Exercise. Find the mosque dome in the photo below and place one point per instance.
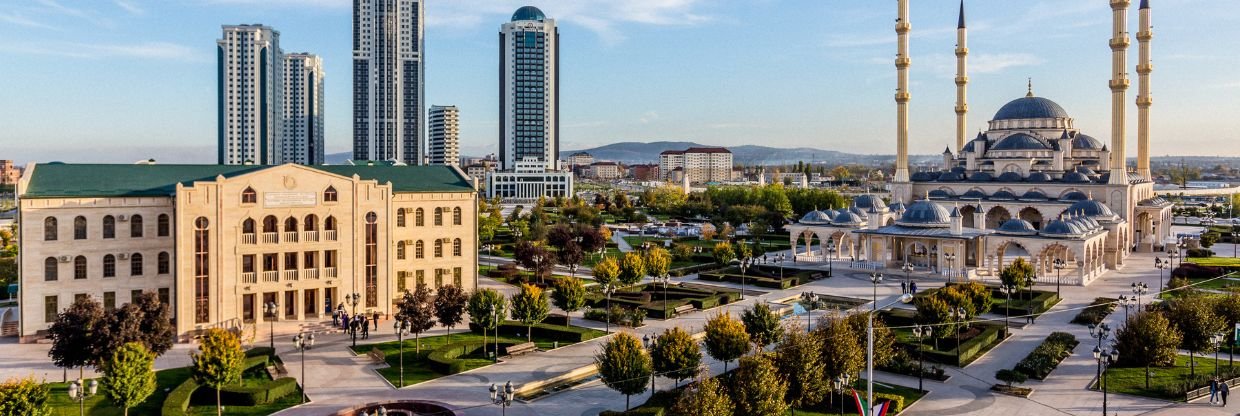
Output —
(1021, 141)
(1058, 228)
(939, 194)
(1091, 208)
(848, 219)
(870, 201)
(1003, 195)
(815, 217)
(1039, 177)
(1075, 177)
(1074, 196)
(528, 13)
(925, 213)
(951, 177)
(1033, 195)
(923, 177)
(1086, 142)
(1010, 177)
(973, 194)
(1030, 107)
(980, 177)
(1017, 226)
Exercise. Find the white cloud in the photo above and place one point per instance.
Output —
(58, 8)
(648, 117)
(147, 50)
(603, 17)
(130, 7)
(944, 65)
(21, 20)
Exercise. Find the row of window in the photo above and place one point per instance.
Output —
(418, 248)
(51, 227)
(51, 266)
(419, 216)
(51, 304)
(271, 224)
(271, 261)
(403, 284)
(250, 196)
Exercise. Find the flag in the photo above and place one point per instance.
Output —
(864, 408)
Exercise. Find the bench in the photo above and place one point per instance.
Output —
(817, 276)
(522, 348)
(686, 308)
(277, 370)
(378, 356)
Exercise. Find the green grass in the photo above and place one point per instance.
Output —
(1214, 261)
(593, 258)
(416, 368)
(1131, 380)
(910, 395)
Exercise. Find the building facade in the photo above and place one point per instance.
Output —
(529, 90)
(388, 80)
(580, 159)
(218, 242)
(606, 170)
(528, 182)
(9, 173)
(444, 135)
(699, 164)
(303, 109)
(249, 94)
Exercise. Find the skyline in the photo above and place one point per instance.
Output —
(149, 88)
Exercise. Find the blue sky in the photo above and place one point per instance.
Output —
(118, 80)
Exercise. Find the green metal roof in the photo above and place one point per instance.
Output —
(56, 180)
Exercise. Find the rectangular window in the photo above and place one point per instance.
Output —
(51, 308)
(290, 261)
(164, 297)
(310, 302)
(247, 263)
(372, 265)
(134, 294)
(421, 277)
(109, 301)
(329, 258)
(439, 277)
(270, 262)
(456, 276)
(401, 285)
(247, 307)
(310, 259)
(290, 304)
(79, 297)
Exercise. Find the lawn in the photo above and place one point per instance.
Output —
(1165, 383)
(1214, 261)
(976, 340)
(416, 368)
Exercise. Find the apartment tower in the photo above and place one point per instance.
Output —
(388, 80)
(249, 94)
(303, 109)
(529, 84)
(444, 135)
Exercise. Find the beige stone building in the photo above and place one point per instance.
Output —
(699, 164)
(219, 242)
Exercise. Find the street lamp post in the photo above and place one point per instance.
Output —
(1126, 302)
(869, 349)
(1105, 360)
(920, 332)
(809, 300)
(502, 397)
(647, 342)
(876, 278)
(1059, 266)
(780, 259)
(665, 279)
(1101, 333)
(951, 265)
(608, 289)
(1160, 265)
(79, 390)
(959, 314)
(1138, 289)
(743, 264)
(830, 260)
(908, 270)
(401, 327)
(1217, 339)
(839, 384)
(272, 309)
(303, 342)
(353, 299)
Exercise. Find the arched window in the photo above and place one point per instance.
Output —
(456, 247)
(135, 264)
(49, 229)
(419, 217)
(456, 216)
(247, 226)
(400, 217)
(438, 216)
(163, 263)
(419, 250)
(79, 267)
(162, 227)
(438, 248)
(269, 224)
(329, 195)
(79, 228)
(290, 224)
(202, 269)
(400, 250)
(311, 223)
(109, 265)
(135, 226)
(109, 226)
(51, 270)
(329, 224)
(248, 196)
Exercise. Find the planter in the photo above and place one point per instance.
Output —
(1011, 390)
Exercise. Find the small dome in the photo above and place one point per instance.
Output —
(925, 213)
(1085, 142)
(1021, 141)
(1058, 228)
(1033, 195)
(1003, 196)
(1030, 107)
(1017, 226)
(973, 194)
(870, 201)
(1086, 170)
(923, 177)
(951, 177)
(980, 177)
(1075, 177)
(1074, 196)
(939, 194)
(1010, 177)
(959, 169)
(848, 219)
(815, 217)
(1091, 208)
(528, 13)
(1039, 177)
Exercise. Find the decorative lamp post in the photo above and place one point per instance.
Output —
(908, 270)
(780, 259)
(1105, 360)
(608, 289)
(502, 396)
(809, 300)
(921, 331)
(1059, 266)
(951, 264)
(1101, 333)
(402, 327)
(876, 278)
(537, 266)
(743, 264)
(1126, 302)
(271, 309)
(303, 342)
(830, 259)
(648, 342)
(353, 299)
(1217, 340)
(1160, 265)
(869, 349)
(79, 390)
(1138, 289)
(959, 314)
(839, 384)
(665, 279)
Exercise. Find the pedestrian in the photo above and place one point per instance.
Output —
(365, 328)
(1213, 390)
(903, 287)
(1226, 390)
(376, 320)
(912, 288)
(327, 307)
(1029, 313)
(335, 318)
(344, 320)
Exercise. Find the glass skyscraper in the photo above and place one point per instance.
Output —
(388, 80)
(529, 61)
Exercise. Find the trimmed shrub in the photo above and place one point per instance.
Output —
(1046, 356)
(178, 400)
(1196, 271)
(259, 351)
(249, 395)
(541, 330)
(897, 401)
(1200, 252)
(444, 359)
(1095, 312)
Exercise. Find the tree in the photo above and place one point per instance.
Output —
(708, 231)
(486, 309)
(759, 389)
(604, 233)
(664, 199)
(1147, 339)
(839, 358)
(657, 261)
(521, 228)
(726, 339)
(1016, 275)
(1228, 308)
(934, 311)
(682, 252)
(632, 269)
(762, 325)
(723, 253)
(76, 340)
(450, 306)
(218, 362)
(488, 226)
(145, 320)
(129, 376)
(569, 296)
(1208, 239)
(799, 358)
(743, 251)
(1010, 376)
(840, 173)
(1194, 316)
(417, 309)
(727, 230)
(606, 271)
(571, 255)
(705, 397)
(530, 306)
(535, 257)
(624, 365)
(676, 355)
(24, 396)
(884, 338)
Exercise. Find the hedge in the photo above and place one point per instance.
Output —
(541, 330)
(1043, 359)
(968, 349)
(444, 359)
(250, 395)
(177, 402)
(684, 271)
(758, 281)
(259, 351)
(1042, 301)
(1095, 312)
(897, 401)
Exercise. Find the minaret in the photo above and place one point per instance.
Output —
(902, 94)
(1144, 100)
(1119, 90)
(962, 79)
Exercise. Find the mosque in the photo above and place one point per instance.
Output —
(1031, 181)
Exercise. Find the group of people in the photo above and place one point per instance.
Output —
(908, 287)
(356, 323)
(1218, 391)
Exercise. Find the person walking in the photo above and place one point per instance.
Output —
(376, 320)
(344, 320)
(903, 287)
(365, 328)
(1213, 390)
(335, 318)
(1225, 390)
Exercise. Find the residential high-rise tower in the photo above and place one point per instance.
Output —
(388, 80)
(249, 94)
(303, 109)
(529, 85)
(444, 133)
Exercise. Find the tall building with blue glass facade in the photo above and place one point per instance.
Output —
(250, 95)
(388, 80)
(529, 84)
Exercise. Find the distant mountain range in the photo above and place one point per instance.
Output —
(637, 152)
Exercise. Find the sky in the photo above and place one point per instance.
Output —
(122, 80)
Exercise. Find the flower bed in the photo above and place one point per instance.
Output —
(1043, 359)
(1095, 312)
